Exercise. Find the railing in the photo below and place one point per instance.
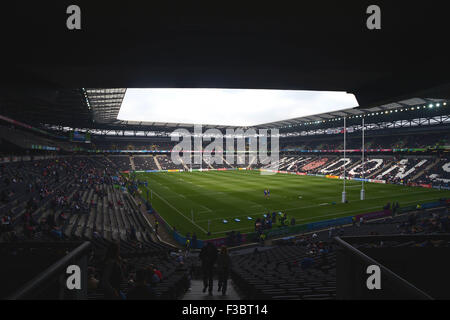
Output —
(51, 280)
(396, 237)
(351, 270)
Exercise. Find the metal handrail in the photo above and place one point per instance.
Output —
(398, 237)
(50, 272)
(40, 244)
(416, 293)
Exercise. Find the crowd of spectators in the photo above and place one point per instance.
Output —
(41, 199)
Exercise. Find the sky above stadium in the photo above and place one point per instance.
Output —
(234, 107)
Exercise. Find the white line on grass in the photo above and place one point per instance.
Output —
(305, 207)
(165, 201)
(326, 215)
(353, 186)
(207, 209)
(259, 213)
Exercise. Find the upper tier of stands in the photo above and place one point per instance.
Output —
(327, 142)
(333, 142)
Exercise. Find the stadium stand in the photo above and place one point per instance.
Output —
(53, 201)
(166, 163)
(304, 267)
(86, 185)
(145, 163)
(287, 272)
(81, 198)
(438, 174)
(121, 162)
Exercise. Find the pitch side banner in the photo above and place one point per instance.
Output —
(377, 181)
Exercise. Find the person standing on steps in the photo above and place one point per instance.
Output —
(208, 256)
(156, 226)
(187, 247)
(223, 268)
(112, 273)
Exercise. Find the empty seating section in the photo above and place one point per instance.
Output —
(304, 266)
(166, 163)
(403, 169)
(394, 169)
(144, 163)
(388, 141)
(438, 174)
(102, 144)
(26, 139)
(122, 163)
(287, 272)
(399, 169)
(373, 140)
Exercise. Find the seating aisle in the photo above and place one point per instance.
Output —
(196, 292)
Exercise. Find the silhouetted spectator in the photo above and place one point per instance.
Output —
(141, 291)
(112, 274)
(223, 269)
(208, 256)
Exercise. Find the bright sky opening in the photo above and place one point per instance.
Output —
(233, 107)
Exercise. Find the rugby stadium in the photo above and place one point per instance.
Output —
(313, 163)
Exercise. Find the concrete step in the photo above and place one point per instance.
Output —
(196, 292)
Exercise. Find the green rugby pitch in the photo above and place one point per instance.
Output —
(219, 195)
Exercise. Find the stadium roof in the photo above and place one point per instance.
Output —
(325, 46)
(76, 108)
(98, 109)
(142, 125)
(322, 45)
(37, 106)
(350, 112)
(105, 103)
